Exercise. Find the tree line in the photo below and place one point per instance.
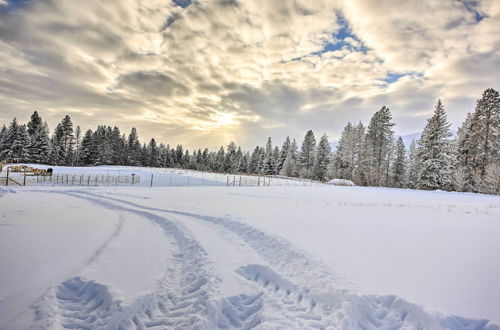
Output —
(368, 155)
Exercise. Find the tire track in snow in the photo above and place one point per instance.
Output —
(186, 298)
(339, 308)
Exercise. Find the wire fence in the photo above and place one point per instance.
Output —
(137, 176)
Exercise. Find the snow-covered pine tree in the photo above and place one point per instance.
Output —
(230, 162)
(378, 142)
(413, 166)
(153, 155)
(14, 143)
(86, 148)
(398, 173)
(434, 153)
(133, 148)
(289, 166)
(276, 160)
(34, 128)
(3, 137)
(484, 139)
(220, 165)
(268, 164)
(464, 172)
(323, 156)
(78, 145)
(39, 143)
(253, 166)
(67, 141)
(283, 153)
(307, 156)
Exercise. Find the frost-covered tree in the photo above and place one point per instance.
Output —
(39, 142)
(153, 154)
(86, 148)
(323, 154)
(378, 145)
(398, 173)
(133, 148)
(283, 153)
(269, 163)
(412, 166)
(485, 130)
(231, 159)
(434, 153)
(15, 143)
(307, 155)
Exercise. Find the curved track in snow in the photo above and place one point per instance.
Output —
(285, 288)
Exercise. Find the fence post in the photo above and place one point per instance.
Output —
(24, 180)
(151, 180)
(240, 181)
(258, 181)
(7, 180)
(227, 184)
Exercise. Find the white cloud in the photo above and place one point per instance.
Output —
(175, 72)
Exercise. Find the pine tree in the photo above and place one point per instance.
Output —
(86, 149)
(253, 166)
(78, 145)
(153, 154)
(378, 142)
(434, 153)
(230, 162)
(220, 164)
(307, 156)
(133, 148)
(39, 142)
(464, 173)
(268, 164)
(413, 167)
(344, 155)
(322, 158)
(283, 154)
(3, 142)
(15, 143)
(398, 173)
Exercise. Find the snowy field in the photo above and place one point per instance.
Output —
(155, 176)
(241, 257)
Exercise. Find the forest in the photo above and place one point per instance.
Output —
(369, 155)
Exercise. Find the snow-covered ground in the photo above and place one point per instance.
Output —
(155, 176)
(237, 257)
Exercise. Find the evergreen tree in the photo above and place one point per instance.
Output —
(78, 146)
(253, 166)
(220, 164)
(153, 155)
(283, 154)
(308, 155)
(268, 164)
(322, 158)
(398, 174)
(434, 153)
(378, 143)
(15, 143)
(133, 148)
(231, 162)
(86, 149)
(413, 168)
(39, 143)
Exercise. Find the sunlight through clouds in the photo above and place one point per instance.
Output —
(244, 69)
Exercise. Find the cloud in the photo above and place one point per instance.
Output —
(275, 68)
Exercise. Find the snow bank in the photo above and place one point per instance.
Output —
(341, 182)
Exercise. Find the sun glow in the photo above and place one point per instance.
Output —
(224, 118)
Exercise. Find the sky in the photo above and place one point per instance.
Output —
(203, 73)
